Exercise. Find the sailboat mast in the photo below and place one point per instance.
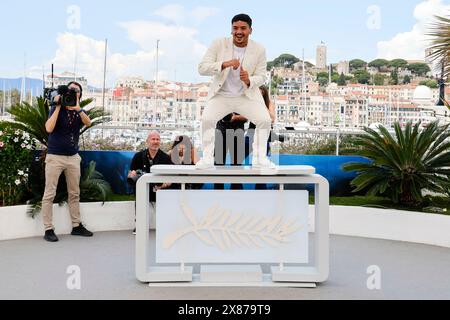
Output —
(23, 84)
(104, 82)
(75, 64)
(4, 98)
(104, 74)
(304, 86)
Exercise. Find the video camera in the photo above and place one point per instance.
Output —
(68, 97)
(132, 181)
(50, 94)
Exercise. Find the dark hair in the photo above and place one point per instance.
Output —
(265, 94)
(244, 18)
(180, 139)
(79, 85)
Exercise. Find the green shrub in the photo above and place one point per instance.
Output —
(16, 153)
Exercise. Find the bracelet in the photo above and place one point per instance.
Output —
(81, 111)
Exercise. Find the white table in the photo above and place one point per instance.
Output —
(181, 275)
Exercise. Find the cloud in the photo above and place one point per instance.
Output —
(175, 40)
(86, 56)
(180, 50)
(179, 15)
(202, 13)
(411, 45)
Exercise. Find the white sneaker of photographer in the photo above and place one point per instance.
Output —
(205, 164)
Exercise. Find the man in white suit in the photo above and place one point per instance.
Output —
(238, 67)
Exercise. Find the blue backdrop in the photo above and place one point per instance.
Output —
(114, 165)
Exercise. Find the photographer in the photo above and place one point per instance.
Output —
(144, 160)
(183, 152)
(66, 118)
(230, 138)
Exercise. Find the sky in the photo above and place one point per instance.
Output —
(71, 34)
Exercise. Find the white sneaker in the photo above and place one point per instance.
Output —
(204, 164)
(263, 163)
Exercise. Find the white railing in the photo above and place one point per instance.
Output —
(136, 134)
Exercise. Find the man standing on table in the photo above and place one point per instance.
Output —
(238, 67)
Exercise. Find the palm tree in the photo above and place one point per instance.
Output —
(32, 118)
(440, 43)
(405, 165)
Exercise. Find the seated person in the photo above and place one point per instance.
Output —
(183, 152)
(145, 159)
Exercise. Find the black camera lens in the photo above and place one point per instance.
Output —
(69, 99)
(133, 180)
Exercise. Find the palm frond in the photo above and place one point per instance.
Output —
(93, 186)
(440, 43)
(403, 165)
(31, 119)
(98, 116)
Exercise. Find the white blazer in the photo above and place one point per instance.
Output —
(254, 62)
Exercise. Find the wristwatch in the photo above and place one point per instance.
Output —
(82, 110)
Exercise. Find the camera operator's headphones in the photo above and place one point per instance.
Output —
(79, 85)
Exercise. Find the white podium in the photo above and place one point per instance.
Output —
(222, 274)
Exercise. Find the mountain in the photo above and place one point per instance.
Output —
(30, 84)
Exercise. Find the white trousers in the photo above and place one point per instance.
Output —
(219, 107)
